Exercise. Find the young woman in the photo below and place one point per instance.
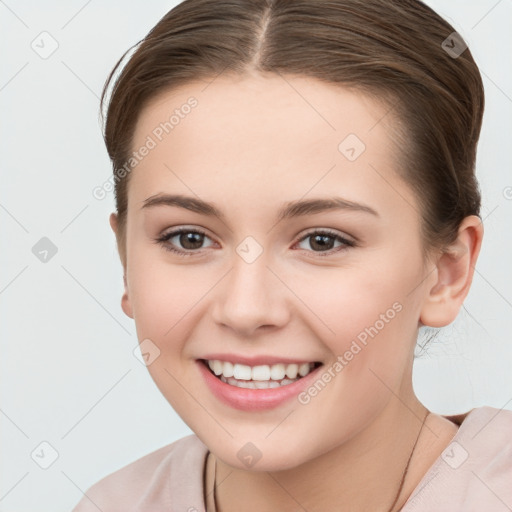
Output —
(296, 196)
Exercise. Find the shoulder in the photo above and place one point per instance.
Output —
(159, 480)
(474, 472)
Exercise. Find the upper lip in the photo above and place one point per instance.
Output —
(257, 360)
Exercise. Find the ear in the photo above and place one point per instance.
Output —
(453, 276)
(125, 300)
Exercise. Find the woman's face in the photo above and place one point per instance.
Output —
(341, 286)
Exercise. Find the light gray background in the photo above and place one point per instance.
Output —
(68, 373)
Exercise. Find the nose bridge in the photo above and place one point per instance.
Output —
(251, 295)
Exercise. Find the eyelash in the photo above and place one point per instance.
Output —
(163, 241)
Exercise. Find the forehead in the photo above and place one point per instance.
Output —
(301, 111)
(271, 134)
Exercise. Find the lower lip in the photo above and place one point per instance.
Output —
(254, 399)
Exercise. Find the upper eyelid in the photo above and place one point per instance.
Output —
(327, 231)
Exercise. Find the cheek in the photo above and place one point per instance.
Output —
(367, 322)
(166, 301)
(352, 303)
(162, 294)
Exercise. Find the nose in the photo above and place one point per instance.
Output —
(252, 298)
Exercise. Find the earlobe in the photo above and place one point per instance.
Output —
(125, 300)
(126, 305)
(113, 222)
(455, 269)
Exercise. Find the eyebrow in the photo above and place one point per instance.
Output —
(289, 210)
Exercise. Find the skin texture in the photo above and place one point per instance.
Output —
(250, 145)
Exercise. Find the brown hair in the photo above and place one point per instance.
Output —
(390, 49)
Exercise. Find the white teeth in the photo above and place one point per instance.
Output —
(242, 372)
(255, 384)
(304, 369)
(216, 366)
(269, 375)
(261, 372)
(277, 371)
(227, 369)
(292, 370)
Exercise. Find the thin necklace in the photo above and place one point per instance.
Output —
(397, 494)
(408, 461)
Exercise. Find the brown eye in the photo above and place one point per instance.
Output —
(324, 242)
(190, 239)
(183, 241)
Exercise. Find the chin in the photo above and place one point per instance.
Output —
(262, 456)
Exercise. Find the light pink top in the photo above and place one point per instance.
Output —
(474, 473)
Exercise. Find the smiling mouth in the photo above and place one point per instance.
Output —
(260, 376)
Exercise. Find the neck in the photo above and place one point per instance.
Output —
(364, 473)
